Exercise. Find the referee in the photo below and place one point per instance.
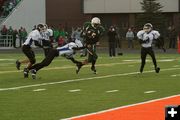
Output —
(146, 37)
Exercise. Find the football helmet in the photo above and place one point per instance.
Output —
(41, 27)
(78, 43)
(148, 27)
(95, 21)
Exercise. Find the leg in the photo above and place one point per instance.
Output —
(92, 57)
(47, 60)
(151, 53)
(143, 59)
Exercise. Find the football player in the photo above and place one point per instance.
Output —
(66, 51)
(34, 38)
(92, 31)
(47, 39)
(146, 38)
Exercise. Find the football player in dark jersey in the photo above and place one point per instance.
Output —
(92, 31)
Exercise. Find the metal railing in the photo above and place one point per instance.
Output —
(6, 41)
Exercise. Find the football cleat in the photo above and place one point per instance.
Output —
(33, 73)
(93, 69)
(26, 72)
(78, 67)
(18, 64)
(157, 70)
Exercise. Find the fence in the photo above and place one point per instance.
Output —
(6, 41)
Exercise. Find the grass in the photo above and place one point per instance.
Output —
(56, 101)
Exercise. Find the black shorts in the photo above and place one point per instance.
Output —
(29, 53)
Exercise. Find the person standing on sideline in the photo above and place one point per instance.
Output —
(112, 41)
(35, 38)
(130, 37)
(146, 37)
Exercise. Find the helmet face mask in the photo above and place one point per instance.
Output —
(147, 27)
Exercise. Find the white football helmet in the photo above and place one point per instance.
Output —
(95, 21)
(147, 27)
(78, 43)
(41, 27)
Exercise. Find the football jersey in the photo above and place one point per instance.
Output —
(67, 50)
(33, 36)
(88, 30)
(142, 35)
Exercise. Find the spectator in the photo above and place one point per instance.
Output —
(15, 35)
(4, 31)
(130, 37)
(172, 37)
(10, 31)
(77, 35)
(112, 41)
(61, 41)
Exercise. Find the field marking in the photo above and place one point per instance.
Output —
(148, 92)
(83, 79)
(175, 75)
(176, 66)
(7, 59)
(111, 91)
(122, 107)
(76, 90)
(68, 67)
(37, 90)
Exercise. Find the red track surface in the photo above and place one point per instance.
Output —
(153, 110)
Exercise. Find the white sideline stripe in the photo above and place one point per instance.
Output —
(110, 91)
(148, 92)
(126, 106)
(37, 90)
(81, 79)
(76, 90)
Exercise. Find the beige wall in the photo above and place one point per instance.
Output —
(125, 6)
(27, 14)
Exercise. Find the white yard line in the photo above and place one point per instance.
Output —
(82, 79)
(37, 90)
(122, 107)
(175, 75)
(148, 92)
(76, 90)
(111, 91)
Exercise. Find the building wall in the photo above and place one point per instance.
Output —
(65, 13)
(27, 14)
(125, 6)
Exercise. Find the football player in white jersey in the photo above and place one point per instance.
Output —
(47, 39)
(146, 37)
(66, 51)
(34, 38)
